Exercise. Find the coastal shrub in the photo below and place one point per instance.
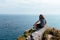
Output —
(55, 33)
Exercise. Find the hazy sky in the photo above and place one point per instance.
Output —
(34, 7)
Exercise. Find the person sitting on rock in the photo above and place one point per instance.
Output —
(41, 24)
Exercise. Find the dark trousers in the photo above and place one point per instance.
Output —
(39, 26)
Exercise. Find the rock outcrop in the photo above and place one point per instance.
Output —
(37, 35)
(46, 33)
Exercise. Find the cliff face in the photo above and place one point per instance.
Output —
(45, 33)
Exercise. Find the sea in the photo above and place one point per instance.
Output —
(13, 26)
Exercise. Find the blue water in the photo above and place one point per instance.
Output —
(12, 26)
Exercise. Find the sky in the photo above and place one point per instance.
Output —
(27, 7)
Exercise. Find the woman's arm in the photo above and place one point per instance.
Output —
(36, 23)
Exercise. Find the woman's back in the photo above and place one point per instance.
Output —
(42, 22)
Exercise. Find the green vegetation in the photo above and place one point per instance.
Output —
(55, 33)
(25, 34)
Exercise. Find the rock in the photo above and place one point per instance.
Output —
(39, 33)
(46, 33)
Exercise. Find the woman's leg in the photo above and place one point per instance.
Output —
(39, 26)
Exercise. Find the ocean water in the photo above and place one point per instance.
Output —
(12, 26)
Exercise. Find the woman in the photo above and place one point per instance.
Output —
(40, 25)
(42, 22)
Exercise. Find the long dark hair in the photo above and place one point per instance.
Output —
(41, 17)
